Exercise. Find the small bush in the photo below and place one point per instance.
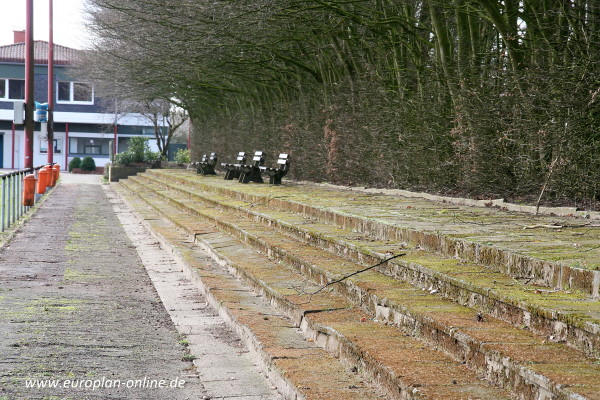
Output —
(124, 158)
(138, 147)
(151, 156)
(182, 156)
(138, 152)
(74, 163)
(88, 164)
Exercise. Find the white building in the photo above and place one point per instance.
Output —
(83, 123)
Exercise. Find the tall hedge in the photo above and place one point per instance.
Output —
(488, 98)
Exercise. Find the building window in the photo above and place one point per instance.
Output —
(86, 146)
(64, 91)
(75, 92)
(12, 89)
(57, 146)
(92, 149)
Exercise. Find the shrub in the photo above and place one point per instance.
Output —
(182, 156)
(138, 151)
(124, 158)
(138, 147)
(74, 163)
(88, 164)
(151, 156)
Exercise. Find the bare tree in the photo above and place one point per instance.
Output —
(165, 117)
(471, 96)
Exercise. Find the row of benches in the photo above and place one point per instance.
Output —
(245, 172)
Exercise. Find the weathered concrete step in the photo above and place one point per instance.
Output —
(513, 243)
(454, 328)
(299, 368)
(225, 366)
(338, 328)
(559, 315)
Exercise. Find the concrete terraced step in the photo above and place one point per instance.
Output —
(560, 315)
(454, 328)
(406, 368)
(299, 368)
(522, 245)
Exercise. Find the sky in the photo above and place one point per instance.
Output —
(69, 16)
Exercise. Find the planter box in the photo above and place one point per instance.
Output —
(98, 171)
(173, 165)
(121, 172)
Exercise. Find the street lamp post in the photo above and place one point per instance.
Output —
(29, 82)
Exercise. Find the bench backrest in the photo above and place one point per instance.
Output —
(283, 161)
(241, 158)
(259, 158)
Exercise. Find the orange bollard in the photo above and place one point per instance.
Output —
(57, 169)
(50, 177)
(42, 181)
(53, 174)
(29, 190)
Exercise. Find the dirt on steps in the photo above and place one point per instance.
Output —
(559, 315)
(299, 367)
(551, 251)
(184, 202)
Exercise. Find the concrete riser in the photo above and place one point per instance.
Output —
(269, 364)
(493, 366)
(549, 274)
(539, 321)
(321, 335)
(285, 387)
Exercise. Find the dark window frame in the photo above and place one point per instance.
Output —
(8, 90)
(72, 90)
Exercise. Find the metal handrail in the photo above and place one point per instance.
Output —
(12, 208)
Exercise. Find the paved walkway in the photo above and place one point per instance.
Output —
(79, 312)
(66, 178)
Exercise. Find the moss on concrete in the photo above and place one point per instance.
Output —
(375, 292)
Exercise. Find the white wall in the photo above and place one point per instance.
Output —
(7, 149)
(38, 157)
(41, 158)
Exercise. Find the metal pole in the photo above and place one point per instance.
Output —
(51, 84)
(9, 203)
(3, 202)
(12, 198)
(14, 189)
(13, 147)
(18, 197)
(66, 145)
(21, 206)
(15, 198)
(29, 88)
(20, 191)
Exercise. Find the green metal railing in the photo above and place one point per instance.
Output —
(12, 208)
